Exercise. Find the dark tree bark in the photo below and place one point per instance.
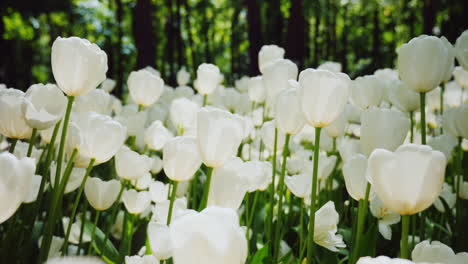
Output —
(296, 39)
(143, 33)
(180, 43)
(255, 34)
(205, 31)
(344, 39)
(119, 13)
(316, 34)
(170, 43)
(190, 46)
(429, 16)
(376, 42)
(274, 26)
(235, 40)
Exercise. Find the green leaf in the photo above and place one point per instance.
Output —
(107, 250)
(260, 256)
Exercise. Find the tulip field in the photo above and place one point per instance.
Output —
(294, 165)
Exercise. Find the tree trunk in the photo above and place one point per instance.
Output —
(316, 34)
(376, 34)
(143, 33)
(274, 27)
(344, 39)
(296, 39)
(235, 40)
(190, 46)
(119, 13)
(255, 34)
(429, 16)
(170, 44)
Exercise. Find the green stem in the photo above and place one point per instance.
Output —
(31, 142)
(55, 205)
(140, 107)
(63, 139)
(442, 90)
(96, 219)
(84, 209)
(77, 201)
(277, 237)
(458, 181)
(13, 145)
(310, 242)
(206, 191)
(272, 189)
(422, 97)
(171, 203)
(404, 236)
(301, 231)
(412, 126)
(252, 210)
(205, 97)
(362, 212)
(113, 216)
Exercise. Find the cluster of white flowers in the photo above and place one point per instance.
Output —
(188, 166)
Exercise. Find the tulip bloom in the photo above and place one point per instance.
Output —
(101, 194)
(145, 88)
(78, 65)
(12, 121)
(212, 236)
(461, 49)
(269, 54)
(15, 182)
(219, 134)
(367, 91)
(289, 117)
(44, 105)
(208, 78)
(181, 158)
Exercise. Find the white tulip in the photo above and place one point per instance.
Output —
(383, 260)
(367, 91)
(403, 97)
(161, 210)
(337, 128)
(432, 252)
(219, 134)
(101, 194)
(181, 158)
(385, 216)
(257, 91)
(269, 54)
(156, 135)
(461, 77)
(108, 85)
(74, 180)
(212, 236)
(208, 78)
(461, 49)
(418, 166)
(130, 165)
(330, 66)
(183, 114)
(159, 191)
(267, 133)
(136, 202)
(323, 95)
(422, 63)
(449, 197)
(383, 128)
(74, 237)
(12, 121)
(97, 101)
(183, 77)
(288, 112)
(159, 240)
(132, 119)
(44, 105)
(147, 259)
(144, 87)
(78, 65)
(354, 172)
(15, 182)
(276, 78)
(326, 226)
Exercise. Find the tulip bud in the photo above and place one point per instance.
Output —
(136, 202)
(402, 97)
(145, 88)
(354, 172)
(418, 166)
(212, 236)
(44, 105)
(257, 91)
(323, 95)
(130, 165)
(432, 252)
(183, 77)
(12, 121)
(422, 63)
(276, 78)
(156, 135)
(181, 158)
(336, 128)
(97, 101)
(330, 66)
(15, 181)
(215, 126)
(78, 65)
(367, 91)
(269, 54)
(108, 85)
(383, 128)
(208, 78)
(461, 49)
(461, 77)
(288, 112)
(268, 136)
(101, 194)
(183, 114)
(100, 136)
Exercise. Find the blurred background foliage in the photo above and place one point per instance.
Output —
(169, 34)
